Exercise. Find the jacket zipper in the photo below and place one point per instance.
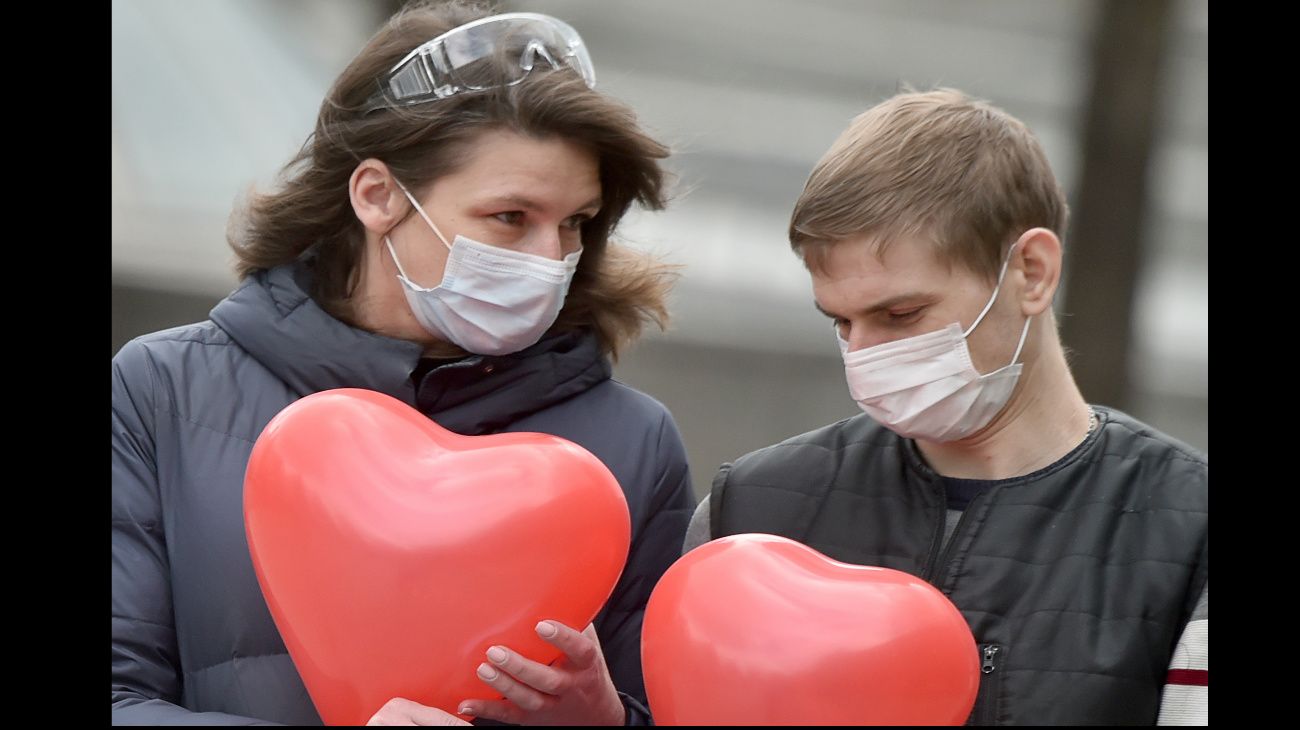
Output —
(985, 711)
(989, 653)
(939, 562)
(927, 571)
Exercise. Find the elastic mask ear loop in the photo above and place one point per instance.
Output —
(994, 298)
(989, 305)
(393, 253)
(423, 215)
(419, 210)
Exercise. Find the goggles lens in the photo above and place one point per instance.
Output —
(487, 53)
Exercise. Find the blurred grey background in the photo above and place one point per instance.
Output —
(211, 98)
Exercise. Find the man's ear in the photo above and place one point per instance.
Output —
(377, 201)
(1039, 258)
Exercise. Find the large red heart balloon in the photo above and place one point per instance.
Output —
(762, 630)
(392, 553)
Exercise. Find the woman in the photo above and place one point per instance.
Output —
(443, 237)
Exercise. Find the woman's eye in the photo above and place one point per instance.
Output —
(510, 218)
(575, 222)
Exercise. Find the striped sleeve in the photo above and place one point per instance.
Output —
(1186, 699)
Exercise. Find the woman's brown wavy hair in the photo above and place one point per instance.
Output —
(615, 291)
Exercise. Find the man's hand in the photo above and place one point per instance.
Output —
(576, 690)
(398, 711)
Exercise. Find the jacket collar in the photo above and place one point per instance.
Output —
(272, 317)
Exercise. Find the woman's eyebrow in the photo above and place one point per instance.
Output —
(521, 201)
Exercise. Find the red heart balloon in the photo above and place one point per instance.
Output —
(392, 553)
(762, 630)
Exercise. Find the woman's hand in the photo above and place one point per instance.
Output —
(576, 690)
(398, 711)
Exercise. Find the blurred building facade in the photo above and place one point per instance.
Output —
(212, 98)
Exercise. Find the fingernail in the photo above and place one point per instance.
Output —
(467, 710)
(546, 629)
(497, 654)
(487, 672)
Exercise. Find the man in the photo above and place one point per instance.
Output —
(1073, 538)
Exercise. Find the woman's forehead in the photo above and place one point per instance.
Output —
(552, 170)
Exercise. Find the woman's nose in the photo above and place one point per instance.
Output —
(551, 243)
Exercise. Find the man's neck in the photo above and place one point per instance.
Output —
(1046, 419)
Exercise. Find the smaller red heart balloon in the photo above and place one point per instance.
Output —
(762, 630)
(392, 553)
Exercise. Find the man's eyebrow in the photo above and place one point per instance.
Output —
(886, 304)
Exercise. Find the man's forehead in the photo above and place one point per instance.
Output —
(869, 255)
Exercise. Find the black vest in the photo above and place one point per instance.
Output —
(1076, 580)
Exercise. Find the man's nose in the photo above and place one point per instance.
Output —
(861, 338)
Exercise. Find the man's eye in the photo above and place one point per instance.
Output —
(511, 218)
(902, 317)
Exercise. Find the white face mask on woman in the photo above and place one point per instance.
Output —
(492, 301)
(926, 386)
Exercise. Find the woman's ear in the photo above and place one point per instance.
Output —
(377, 201)
(1039, 258)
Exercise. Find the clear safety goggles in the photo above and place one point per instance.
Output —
(496, 51)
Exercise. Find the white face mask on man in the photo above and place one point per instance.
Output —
(492, 301)
(926, 387)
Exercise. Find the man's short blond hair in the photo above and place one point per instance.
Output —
(936, 166)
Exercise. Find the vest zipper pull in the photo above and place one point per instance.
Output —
(989, 652)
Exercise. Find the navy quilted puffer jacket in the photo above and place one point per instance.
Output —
(193, 641)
